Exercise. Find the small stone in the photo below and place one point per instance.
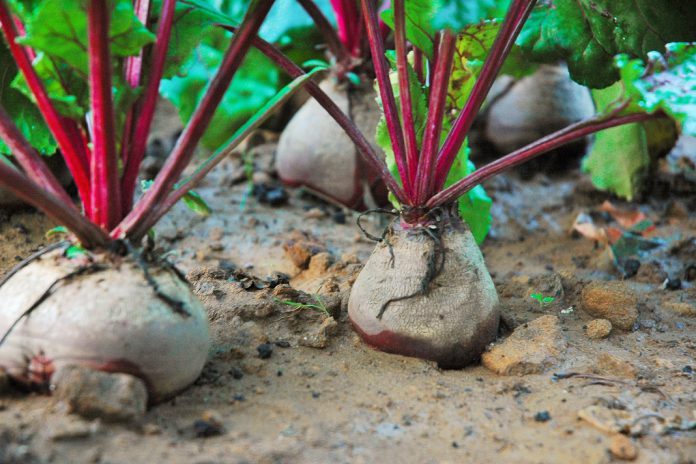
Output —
(673, 283)
(621, 447)
(209, 425)
(90, 393)
(608, 364)
(598, 328)
(216, 234)
(64, 428)
(680, 308)
(319, 263)
(314, 213)
(320, 338)
(265, 350)
(151, 429)
(531, 349)
(612, 300)
(542, 416)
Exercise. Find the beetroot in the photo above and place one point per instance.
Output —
(106, 315)
(426, 292)
(316, 153)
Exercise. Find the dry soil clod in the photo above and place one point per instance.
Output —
(613, 300)
(531, 349)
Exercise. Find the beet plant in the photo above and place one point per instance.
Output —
(100, 299)
(324, 159)
(425, 291)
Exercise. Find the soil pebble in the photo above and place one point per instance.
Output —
(300, 248)
(209, 425)
(609, 364)
(531, 349)
(612, 300)
(598, 328)
(320, 338)
(265, 350)
(680, 308)
(621, 447)
(90, 393)
(63, 428)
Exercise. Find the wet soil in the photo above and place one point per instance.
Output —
(288, 385)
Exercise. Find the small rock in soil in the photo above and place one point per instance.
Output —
(598, 328)
(90, 393)
(236, 373)
(680, 308)
(320, 338)
(300, 248)
(265, 350)
(63, 428)
(673, 283)
(209, 425)
(542, 416)
(612, 300)
(531, 349)
(273, 196)
(608, 364)
(621, 447)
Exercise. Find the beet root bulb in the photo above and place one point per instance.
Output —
(398, 307)
(104, 315)
(315, 152)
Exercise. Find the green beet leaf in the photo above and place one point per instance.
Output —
(619, 158)
(21, 109)
(195, 61)
(59, 28)
(456, 15)
(255, 83)
(666, 82)
(587, 34)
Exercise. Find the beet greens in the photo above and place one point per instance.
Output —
(96, 88)
(433, 85)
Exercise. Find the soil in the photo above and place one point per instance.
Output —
(287, 385)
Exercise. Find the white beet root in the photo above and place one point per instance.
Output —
(314, 152)
(534, 106)
(452, 322)
(110, 320)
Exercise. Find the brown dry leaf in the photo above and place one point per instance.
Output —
(586, 227)
(626, 219)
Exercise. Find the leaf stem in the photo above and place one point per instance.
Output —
(363, 146)
(24, 188)
(75, 157)
(29, 159)
(242, 133)
(104, 178)
(147, 106)
(512, 25)
(333, 41)
(550, 142)
(391, 113)
(402, 67)
(348, 23)
(425, 178)
(132, 226)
